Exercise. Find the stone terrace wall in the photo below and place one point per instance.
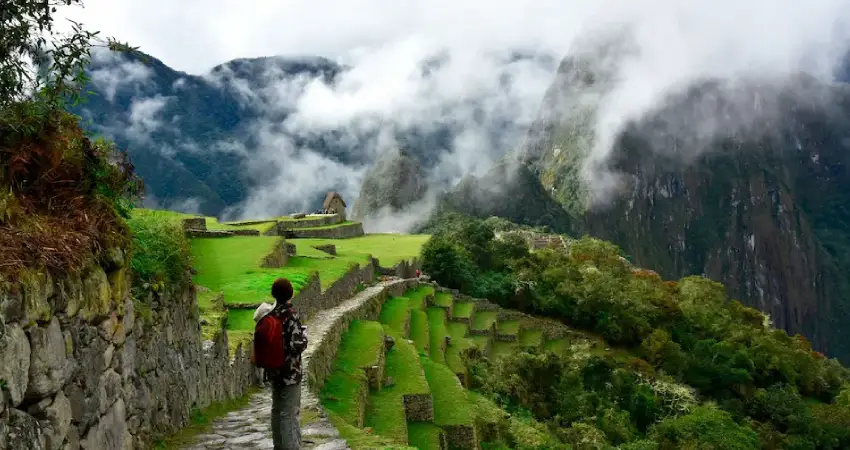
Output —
(311, 298)
(283, 225)
(278, 256)
(404, 269)
(84, 366)
(338, 232)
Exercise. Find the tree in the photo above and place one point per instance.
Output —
(37, 61)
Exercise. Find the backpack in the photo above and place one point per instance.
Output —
(269, 342)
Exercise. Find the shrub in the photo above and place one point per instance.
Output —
(160, 251)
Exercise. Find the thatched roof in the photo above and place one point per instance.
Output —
(330, 197)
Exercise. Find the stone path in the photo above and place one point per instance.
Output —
(250, 428)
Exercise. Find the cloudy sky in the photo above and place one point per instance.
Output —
(385, 41)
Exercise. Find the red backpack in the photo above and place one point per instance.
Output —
(269, 343)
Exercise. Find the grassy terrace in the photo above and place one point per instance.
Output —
(483, 320)
(438, 331)
(530, 337)
(451, 406)
(395, 313)
(419, 332)
(385, 414)
(443, 299)
(508, 327)
(463, 310)
(344, 388)
(423, 435)
(389, 249)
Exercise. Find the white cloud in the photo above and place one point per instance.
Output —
(672, 43)
(144, 117)
(121, 72)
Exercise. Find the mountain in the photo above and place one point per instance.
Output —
(211, 142)
(395, 182)
(757, 199)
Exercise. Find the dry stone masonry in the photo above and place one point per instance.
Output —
(83, 366)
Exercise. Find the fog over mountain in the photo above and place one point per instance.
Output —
(457, 84)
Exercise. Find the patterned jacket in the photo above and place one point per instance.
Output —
(295, 342)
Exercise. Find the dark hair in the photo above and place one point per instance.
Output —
(282, 290)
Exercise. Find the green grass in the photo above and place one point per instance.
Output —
(360, 347)
(160, 251)
(307, 250)
(419, 329)
(424, 436)
(385, 413)
(389, 249)
(530, 337)
(483, 320)
(485, 409)
(508, 327)
(557, 346)
(214, 224)
(456, 330)
(358, 439)
(462, 310)
(502, 348)
(327, 227)
(240, 319)
(202, 420)
(437, 329)
(443, 299)
(481, 341)
(232, 265)
(417, 296)
(395, 312)
(460, 343)
(451, 405)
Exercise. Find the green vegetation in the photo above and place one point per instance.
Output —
(214, 224)
(424, 436)
(241, 318)
(389, 249)
(395, 313)
(463, 310)
(437, 329)
(443, 299)
(161, 252)
(451, 406)
(419, 332)
(344, 388)
(661, 364)
(385, 413)
(417, 296)
(483, 320)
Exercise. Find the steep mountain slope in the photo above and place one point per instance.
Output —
(395, 182)
(214, 140)
(759, 202)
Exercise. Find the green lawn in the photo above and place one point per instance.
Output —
(232, 265)
(240, 319)
(456, 330)
(395, 312)
(451, 405)
(360, 347)
(417, 296)
(453, 354)
(508, 327)
(481, 341)
(502, 348)
(530, 337)
(483, 320)
(385, 414)
(306, 249)
(424, 436)
(462, 309)
(214, 224)
(389, 249)
(557, 346)
(443, 299)
(437, 328)
(419, 329)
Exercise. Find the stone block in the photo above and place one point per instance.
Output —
(461, 437)
(195, 223)
(418, 407)
(14, 361)
(49, 366)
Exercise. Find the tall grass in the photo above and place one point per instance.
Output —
(160, 251)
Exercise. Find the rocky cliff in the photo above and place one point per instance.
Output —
(758, 202)
(395, 182)
(83, 365)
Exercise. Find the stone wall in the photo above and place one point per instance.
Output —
(195, 223)
(311, 298)
(344, 231)
(278, 256)
(84, 366)
(461, 436)
(327, 248)
(280, 228)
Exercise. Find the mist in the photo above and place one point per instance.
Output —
(470, 86)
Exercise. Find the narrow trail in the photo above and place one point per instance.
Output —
(249, 428)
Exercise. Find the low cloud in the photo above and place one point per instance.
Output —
(116, 72)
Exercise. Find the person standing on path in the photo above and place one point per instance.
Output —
(279, 340)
